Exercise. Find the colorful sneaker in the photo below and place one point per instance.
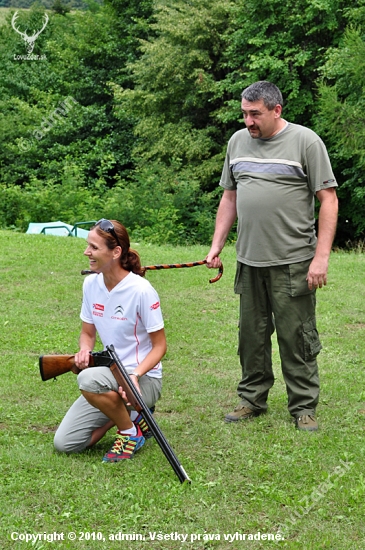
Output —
(142, 424)
(124, 446)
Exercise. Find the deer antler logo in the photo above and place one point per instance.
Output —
(29, 40)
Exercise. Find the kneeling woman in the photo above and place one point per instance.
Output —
(124, 309)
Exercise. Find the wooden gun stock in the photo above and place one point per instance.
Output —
(51, 366)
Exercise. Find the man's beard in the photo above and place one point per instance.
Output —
(258, 133)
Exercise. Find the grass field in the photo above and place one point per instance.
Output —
(259, 476)
(4, 13)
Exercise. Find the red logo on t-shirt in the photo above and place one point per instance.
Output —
(100, 307)
(155, 306)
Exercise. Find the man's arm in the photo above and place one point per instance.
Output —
(226, 216)
(327, 221)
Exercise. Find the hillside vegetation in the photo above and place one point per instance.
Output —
(124, 109)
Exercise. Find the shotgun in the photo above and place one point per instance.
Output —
(51, 366)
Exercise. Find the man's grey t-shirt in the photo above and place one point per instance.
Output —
(276, 181)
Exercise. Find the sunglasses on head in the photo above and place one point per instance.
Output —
(108, 227)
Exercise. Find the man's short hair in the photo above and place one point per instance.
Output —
(268, 92)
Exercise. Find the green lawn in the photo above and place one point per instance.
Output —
(4, 14)
(246, 478)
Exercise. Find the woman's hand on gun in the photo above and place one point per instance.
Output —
(82, 358)
(123, 394)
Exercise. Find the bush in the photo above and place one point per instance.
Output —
(159, 207)
(340, 122)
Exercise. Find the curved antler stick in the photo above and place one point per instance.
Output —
(189, 264)
(171, 266)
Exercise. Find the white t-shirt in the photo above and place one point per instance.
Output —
(124, 316)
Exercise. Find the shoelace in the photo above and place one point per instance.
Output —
(305, 419)
(143, 425)
(118, 443)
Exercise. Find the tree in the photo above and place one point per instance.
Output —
(84, 52)
(341, 121)
(283, 42)
(153, 90)
(80, 54)
(173, 96)
(59, 7)
(188, 81)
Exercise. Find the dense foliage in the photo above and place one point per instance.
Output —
(128, 108)
(341, 121)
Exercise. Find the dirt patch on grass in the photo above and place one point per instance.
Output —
(355, 325)
(43, 429)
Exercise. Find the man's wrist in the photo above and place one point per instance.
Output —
(138, 376)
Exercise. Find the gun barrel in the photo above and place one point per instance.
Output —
(151, 422)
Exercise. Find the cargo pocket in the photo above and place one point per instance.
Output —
(298, 284)
(238, 280)
(311, 343)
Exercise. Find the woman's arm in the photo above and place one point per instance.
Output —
(87, 343)
(159, 347)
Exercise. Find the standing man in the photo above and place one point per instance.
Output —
(273, 171)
